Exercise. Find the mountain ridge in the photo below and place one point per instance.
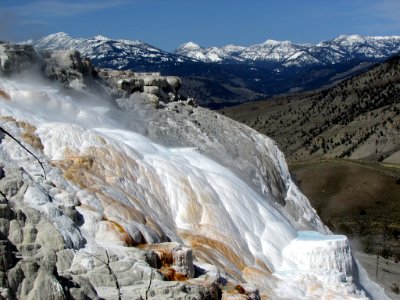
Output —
(325, 52)
(343, 47)
(239, 74)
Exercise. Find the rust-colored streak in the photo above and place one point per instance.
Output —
(122, 210)
(170, 274)
(28, 134)
(197, 241)
(4, 95)
(263, 266)
(120, 232)
(240, 289)
(164, 253)
(165, 257)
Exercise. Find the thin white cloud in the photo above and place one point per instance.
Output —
(45, 8)
(380, 17)
(388, 9)
(388, 13)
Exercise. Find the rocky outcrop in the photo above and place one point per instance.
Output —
(174, 261)
(17, 58)
(77, 73)
(151, 87)
(70, 69)
(29, 243)
(40, 262)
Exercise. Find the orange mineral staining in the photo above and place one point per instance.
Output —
(4, 95)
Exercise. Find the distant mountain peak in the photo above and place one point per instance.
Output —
(110, 53)
(101, 38)
(59, 34)
(270, 42)
(352, 38)
(190, 46)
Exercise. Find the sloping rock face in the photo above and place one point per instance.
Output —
(203, 210)
(253, 157)
(45, 254)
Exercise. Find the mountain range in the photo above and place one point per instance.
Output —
(121, 54)
(286, 54)
(218, 77)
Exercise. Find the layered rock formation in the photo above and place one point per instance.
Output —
(151, 86)
(145, 201)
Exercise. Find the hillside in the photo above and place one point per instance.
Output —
(112, 187)
(357, 119)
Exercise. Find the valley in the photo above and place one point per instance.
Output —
(358, 118)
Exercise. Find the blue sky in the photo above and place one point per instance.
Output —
(167, 24)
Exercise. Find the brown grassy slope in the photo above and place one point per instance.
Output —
(359, 118)
(359, 199)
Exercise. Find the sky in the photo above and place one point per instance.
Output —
(167, 24)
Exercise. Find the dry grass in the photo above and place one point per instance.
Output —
(359, 199)
(358, 118)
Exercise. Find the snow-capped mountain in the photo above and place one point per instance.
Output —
(110, 53)
(122, 54)
(220, 76)
(213, 54)
(339, 50)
